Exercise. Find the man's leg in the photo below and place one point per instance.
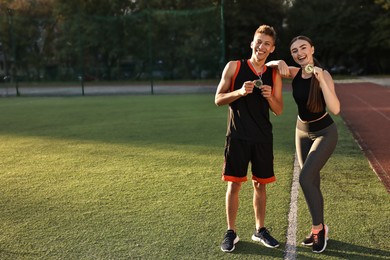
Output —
(259, 203)
(261, 234)
(231, 238)
(232, 201)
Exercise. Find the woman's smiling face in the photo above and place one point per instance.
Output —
(302, 52)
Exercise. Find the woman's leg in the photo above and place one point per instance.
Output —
(323, 144)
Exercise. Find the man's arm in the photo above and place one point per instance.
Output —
(223, 96)
(284, 70)
(275, 96)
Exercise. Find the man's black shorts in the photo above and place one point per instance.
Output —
(238, 154)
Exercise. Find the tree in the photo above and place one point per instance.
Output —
(380, 37)
(29, 30)
(60, 39)
(244, 17)
(109, 33)
(341, 34)
(87, 36)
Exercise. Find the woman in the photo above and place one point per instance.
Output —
(316, 133)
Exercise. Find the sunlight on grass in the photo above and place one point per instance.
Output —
(139, 177)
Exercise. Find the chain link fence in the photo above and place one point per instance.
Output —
(88, 50)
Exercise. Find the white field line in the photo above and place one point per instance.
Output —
(291, 243)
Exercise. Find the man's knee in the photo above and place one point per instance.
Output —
(234, 187)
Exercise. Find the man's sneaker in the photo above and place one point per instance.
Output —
(308, 241)
(319, 240)
(262, 235)
(229, 241)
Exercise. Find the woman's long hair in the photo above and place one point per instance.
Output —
(315, 101)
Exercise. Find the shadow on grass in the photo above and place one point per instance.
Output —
(256, 249)
(343, 250)
(335, 249)
(141, 120)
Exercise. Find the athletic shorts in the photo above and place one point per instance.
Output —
(238, 155)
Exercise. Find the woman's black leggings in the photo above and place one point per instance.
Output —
(313, 150)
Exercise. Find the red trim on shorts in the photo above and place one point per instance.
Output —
(234, 179)
(235, 76)
(264, 180)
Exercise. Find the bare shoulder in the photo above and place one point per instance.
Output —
(327, 75)
(293, 71)
(232, 65)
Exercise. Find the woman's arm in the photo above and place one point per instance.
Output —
(328, 90)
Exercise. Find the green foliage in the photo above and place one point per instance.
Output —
(180, 39)
(242, 20)
(345, 34)
(113, 40)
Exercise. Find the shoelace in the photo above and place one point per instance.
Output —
(267, 235)
(267, 231)
(228, 237)
(315, 238)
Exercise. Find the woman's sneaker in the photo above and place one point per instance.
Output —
(262, 235)
(308, 241)
(319, 240)
(229, 241)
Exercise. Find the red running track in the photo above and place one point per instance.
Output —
(365, 108)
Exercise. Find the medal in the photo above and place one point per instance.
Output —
(309, 68)
(258, 83)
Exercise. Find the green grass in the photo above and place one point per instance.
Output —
(139, 177)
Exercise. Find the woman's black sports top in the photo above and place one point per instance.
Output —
(301, 88)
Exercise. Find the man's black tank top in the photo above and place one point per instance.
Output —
(248, 117)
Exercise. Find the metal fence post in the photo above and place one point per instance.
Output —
(81, 54)
(223, 51)
(14, 71)
(150, 49)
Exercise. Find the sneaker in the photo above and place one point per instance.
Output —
(229, 241)
(308, 241)
(319, 240)
(262, 235)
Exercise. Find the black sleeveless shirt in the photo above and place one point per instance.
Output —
(248, 116)
(301, 88)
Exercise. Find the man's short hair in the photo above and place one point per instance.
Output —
(267, 30)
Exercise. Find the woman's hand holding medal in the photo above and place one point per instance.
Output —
(317, 71)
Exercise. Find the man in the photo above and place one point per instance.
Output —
(251, 89)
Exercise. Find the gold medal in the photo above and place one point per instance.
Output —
(309, 68)
(258, 83)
